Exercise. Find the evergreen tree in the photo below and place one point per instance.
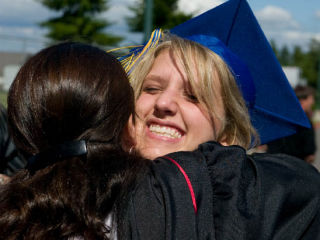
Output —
(275, 48)
(297, 56)
(285, 56)
(165, 15)
(311, 63)
(77, 21)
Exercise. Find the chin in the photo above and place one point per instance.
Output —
(155, 153)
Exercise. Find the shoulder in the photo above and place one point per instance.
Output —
(191, 163)
(267, 173)
(279, 166)
(289, 178)
(285, 167)
(262, 190)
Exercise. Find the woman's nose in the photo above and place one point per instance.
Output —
(166, 103)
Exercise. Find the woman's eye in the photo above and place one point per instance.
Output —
(192, 98)
(150, 89)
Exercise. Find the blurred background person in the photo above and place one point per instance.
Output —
(301, 144)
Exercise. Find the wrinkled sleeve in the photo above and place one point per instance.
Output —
(290, 190)
(263, 196)
(162, 205)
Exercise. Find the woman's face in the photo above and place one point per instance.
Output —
(169, 118)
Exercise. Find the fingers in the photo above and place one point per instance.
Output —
(4, 179)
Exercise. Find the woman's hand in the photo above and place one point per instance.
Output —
(4, 179)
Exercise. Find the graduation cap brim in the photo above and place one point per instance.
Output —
(276, 111)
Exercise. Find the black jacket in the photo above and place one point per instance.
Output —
(10, 159)
(237, 196)
(300, 145)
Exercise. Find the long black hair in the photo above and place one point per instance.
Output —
(67, 93)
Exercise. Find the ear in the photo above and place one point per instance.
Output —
(224, 141)
(128, 136)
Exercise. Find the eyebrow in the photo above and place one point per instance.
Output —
(153, 77)
(162, 80)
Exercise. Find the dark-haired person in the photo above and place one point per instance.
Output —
(67, 109)
(301, 144)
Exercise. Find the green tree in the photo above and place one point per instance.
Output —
(298, 56)
(77, 21)
(285, 56)
(311, 63)
(308, 61)
(165, 15)
(274, 48)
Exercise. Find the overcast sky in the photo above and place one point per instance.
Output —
(290, 22)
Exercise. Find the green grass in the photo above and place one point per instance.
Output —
(3, 98)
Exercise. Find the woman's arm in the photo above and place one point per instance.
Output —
(173, 200)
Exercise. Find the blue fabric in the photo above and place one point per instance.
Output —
(239, 69)
(276, 111)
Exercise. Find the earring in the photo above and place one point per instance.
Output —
(131, 149)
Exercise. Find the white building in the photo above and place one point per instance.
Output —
(9, 66)
(9, 73)
(294, 75)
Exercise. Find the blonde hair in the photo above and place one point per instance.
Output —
(215, 82)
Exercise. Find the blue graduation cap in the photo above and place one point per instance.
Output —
(274, 109)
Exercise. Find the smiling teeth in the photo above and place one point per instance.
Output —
(165, 131)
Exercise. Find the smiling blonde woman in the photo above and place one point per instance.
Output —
(183, 88)
(188, 98)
